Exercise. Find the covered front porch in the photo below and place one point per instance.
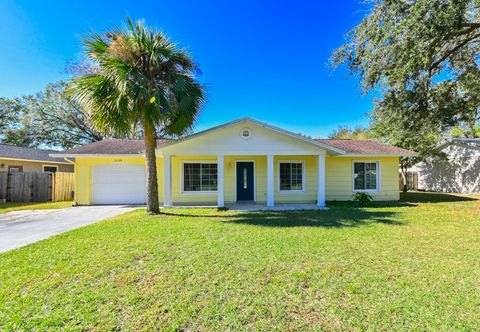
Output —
(252, 206)
(245, 182)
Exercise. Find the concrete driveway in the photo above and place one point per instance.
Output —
(20, 228)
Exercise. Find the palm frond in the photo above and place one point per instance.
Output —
(95, 46)
(142, 77)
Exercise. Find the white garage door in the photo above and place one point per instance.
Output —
(118, 183)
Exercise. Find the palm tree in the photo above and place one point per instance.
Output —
(139, 77)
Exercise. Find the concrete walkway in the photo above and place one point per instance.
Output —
(20, 228)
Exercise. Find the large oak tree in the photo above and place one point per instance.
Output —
(422, 56)
(48, 118)
(424, 52)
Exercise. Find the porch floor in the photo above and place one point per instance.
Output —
(277, 207)
(251, 206)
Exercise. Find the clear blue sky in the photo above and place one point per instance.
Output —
(264, 59)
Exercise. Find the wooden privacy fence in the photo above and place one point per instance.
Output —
(36, 187)
(412, 181)
(62, 186)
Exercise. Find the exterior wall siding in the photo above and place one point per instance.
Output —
(339, 178)
(32, 166)
(459, 172)
(260, 171)
(178, 196)
(309, 193)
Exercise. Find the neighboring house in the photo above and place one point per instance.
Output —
(242, 160)
(457, 172)
(20, 159)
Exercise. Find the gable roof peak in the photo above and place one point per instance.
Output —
(265, 125)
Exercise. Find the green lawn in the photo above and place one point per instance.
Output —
(388, 267)
(11, 206)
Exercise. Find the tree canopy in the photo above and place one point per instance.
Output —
(423, 57)
(48, 118)
(344, 132)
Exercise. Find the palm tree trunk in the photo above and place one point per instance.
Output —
(153, 205)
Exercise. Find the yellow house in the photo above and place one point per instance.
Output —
(241, 161)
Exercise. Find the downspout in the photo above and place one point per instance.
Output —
(74, 203)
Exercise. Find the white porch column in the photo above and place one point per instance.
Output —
(321, 181)
(270, 186)
(220, 178)
(167, 181)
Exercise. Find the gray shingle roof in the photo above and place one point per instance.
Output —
(365, 146)
(472, 143)
(125, 146)
(18, 152)
(113, 146)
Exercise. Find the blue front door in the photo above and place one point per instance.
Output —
(245, 181)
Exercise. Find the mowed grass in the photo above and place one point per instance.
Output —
(387, 267)
(12, 206)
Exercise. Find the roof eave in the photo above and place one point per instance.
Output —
(443, 144)
(35, 160)
(76, 155)
(460, 142)
(379, 155)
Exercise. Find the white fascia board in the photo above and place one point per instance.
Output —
(466, 146)
(35, 160)
(379, 155)
(76, 155)
(443, 145)
(261, 124)
(242, 153)
(297, 136)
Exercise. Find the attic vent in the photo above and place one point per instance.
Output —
(245, 133)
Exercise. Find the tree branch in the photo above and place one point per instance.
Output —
(453, 51)
(472, 25)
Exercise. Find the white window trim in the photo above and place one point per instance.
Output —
(254, 178)
(193, 193)
(304, 175)
(376, 190)
(43, 168)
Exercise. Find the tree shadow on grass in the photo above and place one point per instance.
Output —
(411, 199)
(340, 214)
(333, 218)
(434, 197)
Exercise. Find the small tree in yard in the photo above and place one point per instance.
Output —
(140, 77)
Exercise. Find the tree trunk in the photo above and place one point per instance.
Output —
(153, 205)
(403, 171)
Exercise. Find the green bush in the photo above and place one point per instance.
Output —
(362, 198)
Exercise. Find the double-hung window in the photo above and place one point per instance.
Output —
(291, 176)
(365, 176)
(199, 177)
